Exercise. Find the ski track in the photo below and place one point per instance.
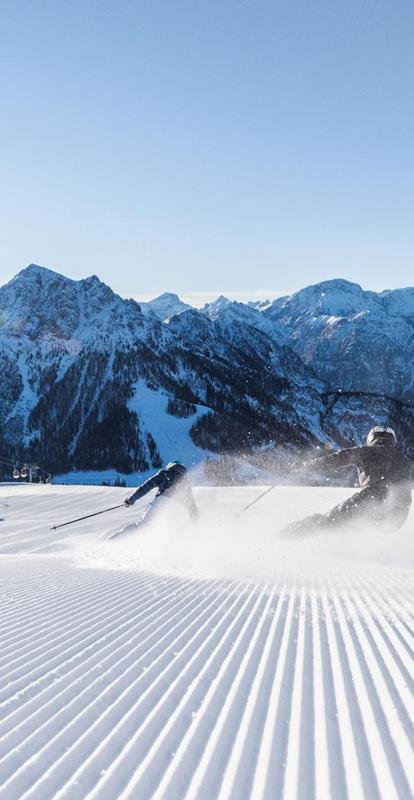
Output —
(123, 682)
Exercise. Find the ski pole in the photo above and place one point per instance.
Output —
(71, 521)
(256, 500)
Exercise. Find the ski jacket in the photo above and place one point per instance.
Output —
(167, 481)
(379, 466)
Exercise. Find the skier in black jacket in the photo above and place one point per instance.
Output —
(172, 483)
(384, 474)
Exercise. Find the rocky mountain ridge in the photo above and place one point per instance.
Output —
(91, 380)
(353, 340)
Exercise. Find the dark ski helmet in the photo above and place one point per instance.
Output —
(174, 464)
(383, 434)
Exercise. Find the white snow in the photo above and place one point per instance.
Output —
(217, 661)
(172, 433)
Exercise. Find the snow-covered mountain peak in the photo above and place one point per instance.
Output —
(168, 297)
(41, 303)
(35, 271)
(398, 301)
(259, 305)
(333, 298)
(356, 340)
(92, 281)
(164, 306)
(231, 314)
(214, 309)
(193, 325)
(40, 278)
(98, 294)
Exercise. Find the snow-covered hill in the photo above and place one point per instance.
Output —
(210, 662)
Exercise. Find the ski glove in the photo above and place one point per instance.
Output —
(128, 502)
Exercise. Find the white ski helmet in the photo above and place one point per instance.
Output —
(382, 433)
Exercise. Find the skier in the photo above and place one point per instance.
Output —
(384, 474)
(172, 484)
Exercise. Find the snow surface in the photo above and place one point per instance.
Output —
(214, 661)
(172, 433)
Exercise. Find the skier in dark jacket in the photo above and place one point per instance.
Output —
(172, 483)
(384, 474)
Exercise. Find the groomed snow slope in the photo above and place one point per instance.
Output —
(214, 662)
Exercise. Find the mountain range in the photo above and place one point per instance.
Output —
(94, 381)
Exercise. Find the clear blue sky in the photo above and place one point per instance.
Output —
(208, 145)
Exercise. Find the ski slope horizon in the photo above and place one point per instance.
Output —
(208, 660)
